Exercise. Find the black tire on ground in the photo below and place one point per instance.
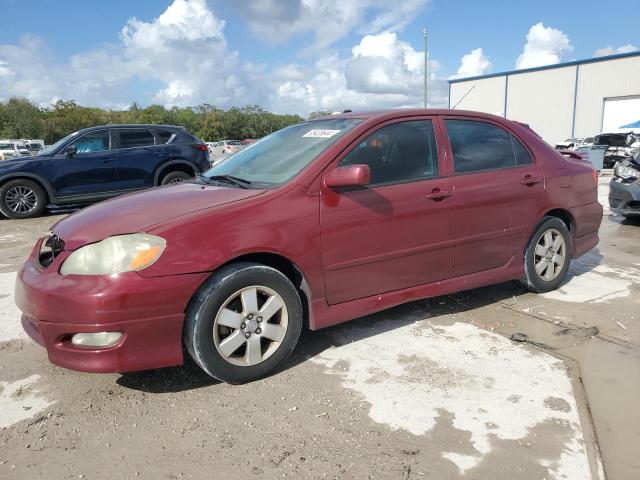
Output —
(32, 194)
(175, 177)
(534, 281)
(207, 304)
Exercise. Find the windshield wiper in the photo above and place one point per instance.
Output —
(237, 181)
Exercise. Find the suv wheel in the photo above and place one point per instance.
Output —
(22, 199)
(243, 323)
(175, 177)
(548, 256)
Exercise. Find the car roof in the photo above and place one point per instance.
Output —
(133, 125)
(389, 114)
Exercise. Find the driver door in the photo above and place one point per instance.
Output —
(397, 232)
(90, 172)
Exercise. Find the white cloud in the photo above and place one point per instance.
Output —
(609, 50)
(277, 21)
(545, 46)
(472, 64)
(382, 72)
(182, 58)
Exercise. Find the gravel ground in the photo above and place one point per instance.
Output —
(431, 389)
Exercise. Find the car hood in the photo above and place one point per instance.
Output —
(137, 212)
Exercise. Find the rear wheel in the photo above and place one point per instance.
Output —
(22, 199)
(548, 256)
(175, 177)
(243, 323)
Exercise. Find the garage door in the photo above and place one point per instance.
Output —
(620, 111)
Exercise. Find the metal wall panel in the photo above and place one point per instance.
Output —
(543, 99)
(597, 81)
(484, 95)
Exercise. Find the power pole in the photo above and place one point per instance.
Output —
(426, 66)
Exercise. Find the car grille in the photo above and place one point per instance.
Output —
(50, 249)
(614, 202)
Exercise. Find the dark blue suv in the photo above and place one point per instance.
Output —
(98, 163)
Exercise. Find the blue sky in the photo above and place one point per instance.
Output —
(287, 55)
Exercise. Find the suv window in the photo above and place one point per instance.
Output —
(97, 141)
(479, 146)
(135, 138)
(163, 136)
(397, 153)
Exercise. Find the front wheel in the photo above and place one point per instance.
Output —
(22, 198)
(547, 256)
(243, 323)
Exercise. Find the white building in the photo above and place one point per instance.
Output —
(573, 99)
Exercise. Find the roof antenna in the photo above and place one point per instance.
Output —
(463, 97)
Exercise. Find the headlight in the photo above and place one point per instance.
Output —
(626, 171)
(118, 254)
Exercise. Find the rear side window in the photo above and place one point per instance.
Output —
(400, 152)
(163, 136)
(479, 146)
(135, 138)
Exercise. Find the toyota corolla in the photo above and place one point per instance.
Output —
(314, 225)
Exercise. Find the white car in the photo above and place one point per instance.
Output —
(10, 150)
(224, 147)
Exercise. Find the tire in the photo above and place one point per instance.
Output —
(22, 198)
(175, 177)
(223, 332)
(551, 238)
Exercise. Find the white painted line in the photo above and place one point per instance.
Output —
(19, 400)
(491, 386)
(10, 327)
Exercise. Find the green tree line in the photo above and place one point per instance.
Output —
(20, 118)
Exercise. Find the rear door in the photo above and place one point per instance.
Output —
(397, 232)
(497, 191)
(90, 172)
(137, 158)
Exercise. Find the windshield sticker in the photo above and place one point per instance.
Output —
(318, 133)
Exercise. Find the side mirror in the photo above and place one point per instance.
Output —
(70, 151)
(349, 176)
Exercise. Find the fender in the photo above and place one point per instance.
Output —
(164, 166)
(45, 183)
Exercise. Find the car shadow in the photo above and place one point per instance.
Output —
(189, 376)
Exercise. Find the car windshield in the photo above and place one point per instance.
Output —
(52, 148)
(282, 155)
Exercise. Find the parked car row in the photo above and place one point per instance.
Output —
(98, 163)
(620, 146)
(10, 148)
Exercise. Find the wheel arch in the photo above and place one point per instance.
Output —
(289, 269)
(560, 213)
(46, 186)
(172, 166)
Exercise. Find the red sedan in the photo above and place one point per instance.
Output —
(314, 225)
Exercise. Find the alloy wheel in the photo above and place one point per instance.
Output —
(550, 255)
(250, 326)
(21, 199)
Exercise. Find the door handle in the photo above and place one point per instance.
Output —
(529, 180)
(437, 194)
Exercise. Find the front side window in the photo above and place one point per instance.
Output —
(400, 152)
(135, 138)
(479, 146)
(97, 141)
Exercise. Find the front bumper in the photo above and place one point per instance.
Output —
(624, 198)
(149, 312)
